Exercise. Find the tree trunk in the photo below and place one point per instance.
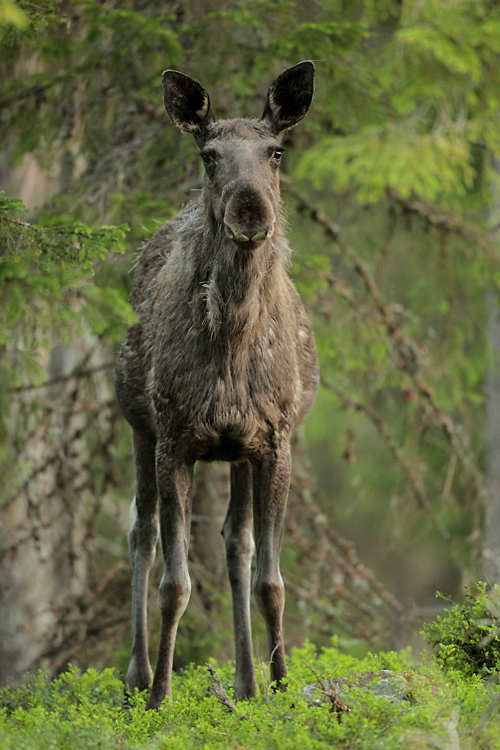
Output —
(491, 537)
(491, 533)
(48, 510)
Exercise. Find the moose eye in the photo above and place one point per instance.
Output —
(207, 159)
(277, 153)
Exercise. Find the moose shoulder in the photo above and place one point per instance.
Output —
(221, 366)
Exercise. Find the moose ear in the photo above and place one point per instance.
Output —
(187, 103)
(289, 97)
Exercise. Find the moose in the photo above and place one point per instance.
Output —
(221, 366)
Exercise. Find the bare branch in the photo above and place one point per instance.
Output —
(409, 353)
(78, 372)
(336, 705)
(433, 216)
(217, 688)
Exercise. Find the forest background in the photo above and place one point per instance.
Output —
(391, 189)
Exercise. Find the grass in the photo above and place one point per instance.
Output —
(447, 709)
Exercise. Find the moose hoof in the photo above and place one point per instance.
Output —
(139, 677)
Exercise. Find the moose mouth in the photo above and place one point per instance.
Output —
(251, 238)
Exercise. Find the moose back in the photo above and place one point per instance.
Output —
(220, 367)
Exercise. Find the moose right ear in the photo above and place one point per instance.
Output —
(187, 103)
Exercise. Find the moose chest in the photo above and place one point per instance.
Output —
(222, 404)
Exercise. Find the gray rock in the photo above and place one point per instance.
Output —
(385, 683)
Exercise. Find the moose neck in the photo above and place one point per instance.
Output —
(238, 285)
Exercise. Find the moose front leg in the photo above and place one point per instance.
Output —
(270, 492)
(174, 478)
(239, 550)
(143, 537)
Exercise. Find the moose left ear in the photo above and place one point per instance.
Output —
(289, 97)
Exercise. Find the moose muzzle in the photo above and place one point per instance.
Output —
(249, 217)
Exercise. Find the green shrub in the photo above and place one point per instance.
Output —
(467, 637)
(87, 711)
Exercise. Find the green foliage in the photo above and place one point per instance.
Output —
(11, 14)
(467, 637)
(55, 246)
(88, 711)
(46, 282)
(431, 92)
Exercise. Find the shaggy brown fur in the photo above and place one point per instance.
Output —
(221, 366)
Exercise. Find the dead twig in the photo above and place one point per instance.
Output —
(265, 685)
(217, 689)
(434, 216)
(78, 372)
(410, 353)
(336, 705)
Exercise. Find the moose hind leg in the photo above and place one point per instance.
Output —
(239, 550)
(143, 537)
(270, 492)
(175, 478)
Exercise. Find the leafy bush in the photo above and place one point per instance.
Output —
(88, 711)
(467, 638)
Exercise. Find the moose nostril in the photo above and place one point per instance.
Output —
(263, 234)
(237, 236)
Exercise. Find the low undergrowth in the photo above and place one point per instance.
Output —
(446, 709)
(467, 637)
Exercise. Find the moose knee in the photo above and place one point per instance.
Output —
(238, 546)
(143, 535)
(174, 595)
(270, 594)
(239, 551)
